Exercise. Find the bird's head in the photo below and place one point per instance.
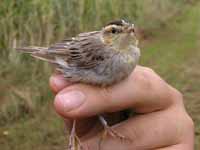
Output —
(120, 35)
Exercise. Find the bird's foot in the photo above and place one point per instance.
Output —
(108, 131)
(111, 132)
(74, 141)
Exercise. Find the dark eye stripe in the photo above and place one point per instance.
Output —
(113, 29)
(116, 30)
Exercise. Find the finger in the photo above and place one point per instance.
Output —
(143, 90)
(146, 132)
(57, 82)
(177, 147)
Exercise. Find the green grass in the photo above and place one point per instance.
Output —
(27, 118)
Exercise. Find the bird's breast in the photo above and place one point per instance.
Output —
(119, 67)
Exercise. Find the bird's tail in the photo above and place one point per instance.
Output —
(38, 52)
(31, 49)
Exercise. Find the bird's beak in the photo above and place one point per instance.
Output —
(131, 28)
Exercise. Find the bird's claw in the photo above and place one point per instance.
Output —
(74, 143)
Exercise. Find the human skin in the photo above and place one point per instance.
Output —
(161, 123)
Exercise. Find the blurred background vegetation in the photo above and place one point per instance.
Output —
(170, 40)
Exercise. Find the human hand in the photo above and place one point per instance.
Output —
(161, 122)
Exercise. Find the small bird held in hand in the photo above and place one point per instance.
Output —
(99, 58)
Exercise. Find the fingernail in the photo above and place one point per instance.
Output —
(70, 100)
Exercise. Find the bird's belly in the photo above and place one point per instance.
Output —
(104, 74)
(121, 70)
(115, 71)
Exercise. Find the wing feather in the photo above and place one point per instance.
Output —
(82, 51)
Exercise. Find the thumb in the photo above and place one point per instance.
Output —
(81, 100)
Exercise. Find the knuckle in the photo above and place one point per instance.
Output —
(148, 70)
(177, 96)
(189, 122)
(145, 74)
(145, 70)
(143, 78)
(187, 125)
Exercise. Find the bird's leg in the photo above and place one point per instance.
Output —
(109, 131)
(74, 141)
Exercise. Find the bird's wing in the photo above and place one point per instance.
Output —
(84, 51)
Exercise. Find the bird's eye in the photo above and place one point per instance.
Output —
(114, 30)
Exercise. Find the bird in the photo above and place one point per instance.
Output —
(101, 58)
